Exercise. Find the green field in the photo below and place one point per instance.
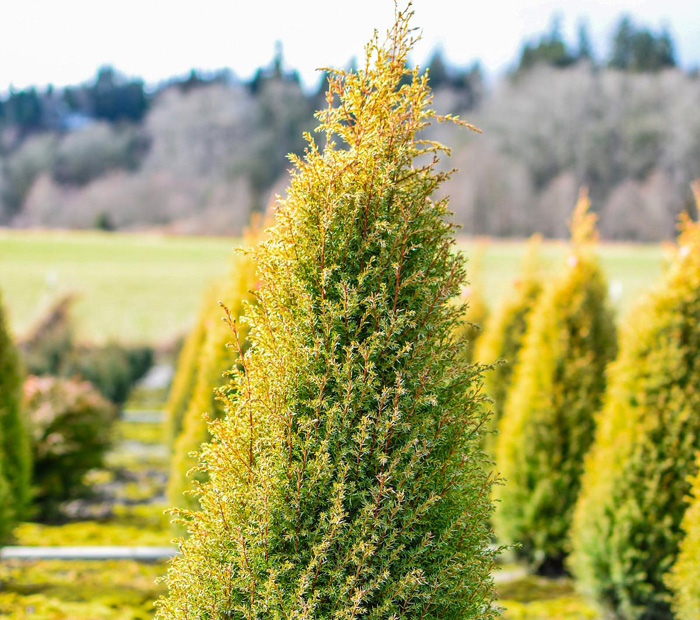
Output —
(130, 288)
(146, 287)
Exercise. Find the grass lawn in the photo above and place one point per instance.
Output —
(130, 287)
(630, 268)
(146, 287)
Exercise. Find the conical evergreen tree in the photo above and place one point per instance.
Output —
(215, 359)
(347, 478)
(15, 455)
(548, 422)
(684, 580)
(504, 335)
(627, 523)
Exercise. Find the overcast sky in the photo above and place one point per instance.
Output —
(63, 42)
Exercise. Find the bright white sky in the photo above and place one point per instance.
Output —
(64, 41)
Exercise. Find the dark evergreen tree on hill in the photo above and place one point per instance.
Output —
(437, 70)
(23, 110)
(551, 49)
(585, 47)
(114, 98)
(640, 49)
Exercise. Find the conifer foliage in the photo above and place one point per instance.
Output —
(346, 479)
(504, 334)
(71, 428)
(214, 359)
(185, 377)
(15, 456)
(548, 423)
(684, 580)
(627, 525)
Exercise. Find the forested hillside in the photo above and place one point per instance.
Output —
(199, 154)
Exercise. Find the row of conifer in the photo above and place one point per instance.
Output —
(598, 448)
(209, 353)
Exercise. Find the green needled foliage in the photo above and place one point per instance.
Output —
(346, 479)
(15, 455)
(548, 422)
(186, 370)
(627, 523)
(214, 361)
(684, 580)
(504, 335)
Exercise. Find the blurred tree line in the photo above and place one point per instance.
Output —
(200, 152)
(633, 48)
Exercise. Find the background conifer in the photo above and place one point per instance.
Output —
(548, 422)
(477, 312)
(215, 358)
(71, 428)
(504, 334)
(627, 523)
(685, 578)
(183, 382)
(15, 455)
(347, 477)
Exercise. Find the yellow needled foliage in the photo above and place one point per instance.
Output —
(477, 309)
(504, 334)
(627, 524)
(583, 223)
(186, 369)
(548, 420)
(684, 580)
(219, 352)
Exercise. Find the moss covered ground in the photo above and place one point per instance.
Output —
(539, 598)
(121, 589)
(63, 590)
(128, 497)
(116, 590)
